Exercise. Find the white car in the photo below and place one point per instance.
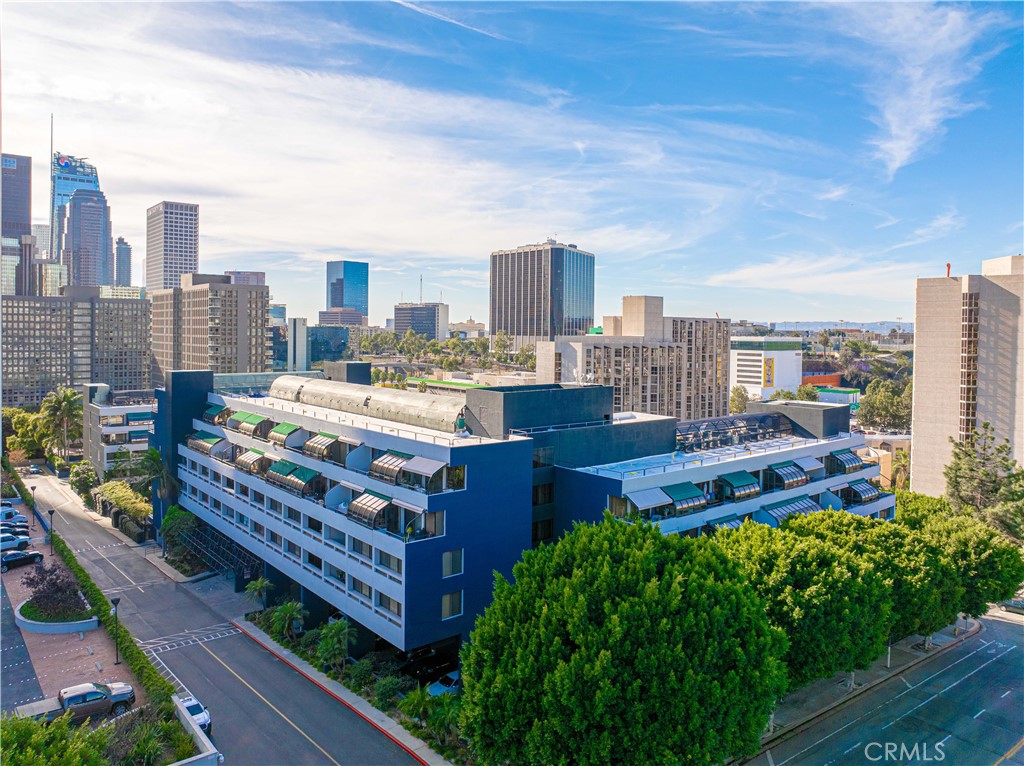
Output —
(9, 542)
(449, 683)
(199, 713)
(9, 514)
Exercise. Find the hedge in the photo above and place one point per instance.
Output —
(157, 687)
(125, 499)
(15, 479)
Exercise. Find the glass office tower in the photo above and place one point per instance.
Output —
(348, 286)
(17, 202)
(67, 174)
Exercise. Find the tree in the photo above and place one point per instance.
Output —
(28, 742)
(824, 339)
(287, 619)
(61, 420)
(784, 395)
(524, 356)
(176, 524)
(27, 433)
(17, 458)
(417, 705)
(54, 590)
(83, 478)
(257, 590)
(739, 398)
(422, 386)
(375, 373)
(502, 344)
(443, 717)
(833, 607)
(807, 393)
(8, 421)
(618, 643)
(886, 406)
(335, 639)
(981, 473)
(151, 470)
(481, 347)
(899, 473)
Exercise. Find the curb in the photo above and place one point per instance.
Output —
(798, 726)
(324, 689)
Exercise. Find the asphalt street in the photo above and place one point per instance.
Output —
(964, 707)
(263, 712)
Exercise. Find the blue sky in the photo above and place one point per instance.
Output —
(766, 161)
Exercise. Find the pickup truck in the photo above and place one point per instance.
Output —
(93, 701)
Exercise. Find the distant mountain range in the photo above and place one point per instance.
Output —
(882, 327)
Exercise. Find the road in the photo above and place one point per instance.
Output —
(263, 712)
(964, 707)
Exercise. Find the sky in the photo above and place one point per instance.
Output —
(775, 161)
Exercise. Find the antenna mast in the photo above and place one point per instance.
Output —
(421, 288)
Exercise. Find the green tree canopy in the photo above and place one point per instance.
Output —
(34, 743)
(83, 478)
(28, 434)
(60, 420)
(833, 606)
(886, 405)
(739, 398)
(807, 393)
(620, 644)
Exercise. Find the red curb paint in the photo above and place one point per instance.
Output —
(324, 689)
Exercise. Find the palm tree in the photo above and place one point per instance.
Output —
(152, 470)
(61, 418)
(899, 472)
(335, 639)
(256, 591)
(287, 618)
(444, 718)
(417, 705)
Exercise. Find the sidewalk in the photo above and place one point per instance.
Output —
(383, 723)
(821, 697)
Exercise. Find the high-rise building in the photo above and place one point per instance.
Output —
(308, 346)
(67, 175)
(207, 323)
(540, 292)
(78, 338)
(172, 244)
(347, 317)
(674, 366)
(278, 315)
(247, 277)
(430, 319)
(968, 365)
(88, 249)
(41, 231)
(16, 206)
(348, 286)
(122, 263)
(764, 365)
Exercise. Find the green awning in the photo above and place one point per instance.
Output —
(241, 416)
(781, 465)
(283, 467)
(205, 436)
(254, 419)
(303, 474)
(215, 410)
(257, 451)
(324, 433)
(395, 452)
(738, 479)
(377, 494)
(285, 428)
(684, 491)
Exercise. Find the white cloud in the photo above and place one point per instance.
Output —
(944, 224)
(448, 19)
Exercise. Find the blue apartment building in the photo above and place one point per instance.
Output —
(396, 508)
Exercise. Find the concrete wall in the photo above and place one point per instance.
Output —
(496, 410)
(811, 420)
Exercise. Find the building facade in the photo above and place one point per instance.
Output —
(467, 330)
(247, 277)
(172, 243)
(968, 365)
(41, 231)
(115, 424)
(539, 292)
(78, 338)
(343, 317)
(16, 203)
(122, 263)
(348, 286)
(278, 315)
(308, 346)
(88, 248)
(764, 365)
(67, 175)
(210, 324)
(429, 319)
(672, 366)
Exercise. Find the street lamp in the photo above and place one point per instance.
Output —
(33, 506)
(115, 601)
(51, 530)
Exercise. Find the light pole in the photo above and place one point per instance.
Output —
(33, 506)
(51, 530)
(115, 601)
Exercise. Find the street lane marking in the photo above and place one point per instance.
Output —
(1005, 693)
(879, 707)
(955, 683)
(771, 761)
(129, 579)
(979, 712)
(849, 749)
(904, 680)
(1011, 752)
(269, 704)
(942, 741)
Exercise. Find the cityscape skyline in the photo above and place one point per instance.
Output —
(752, 161)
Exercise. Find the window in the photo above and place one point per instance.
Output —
(543, 531)
(314, 525)
(451, 563)
(543, 457)
(360, 587)
(274, 505)
(257, 497)
(314, 561)
(388, 561)
(242, 519)
(543, 494)
(229, 484)
(274, 539)
(360, 548)
(292, 549)
(389, 604)
(451, 605)
(433, 523)
(242, 490)
(258, 528)
(292, 515)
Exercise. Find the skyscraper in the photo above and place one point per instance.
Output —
(348, 286)
(541, 291)
(67, 174)
(172, 244)
(41, 231)
(88, 249)
(968, 365)
(122, 263)
(247, 277)
(429, 319)
(16, 211)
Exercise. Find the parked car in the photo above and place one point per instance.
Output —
(6, 504)
(19, 559)
(9, 514)
(10, 542)
(1012, 605)
(35, 470)
(15, 528)
(82, 701)
(200, 714)
(449, 683)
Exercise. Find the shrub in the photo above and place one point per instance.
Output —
(361, 674)
(83, 478)
(54, 590)
(386, 691)
(309, 641)
(125, 499)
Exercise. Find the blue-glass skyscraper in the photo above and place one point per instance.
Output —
(348, 286)
(16, 216)
(122, 263)
(67, 174)
(87, 247)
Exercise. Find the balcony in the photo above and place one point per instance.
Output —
(250, 424)
(217, 415)
(296, 479)
(382, 513)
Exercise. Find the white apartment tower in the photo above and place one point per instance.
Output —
(172, 244)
